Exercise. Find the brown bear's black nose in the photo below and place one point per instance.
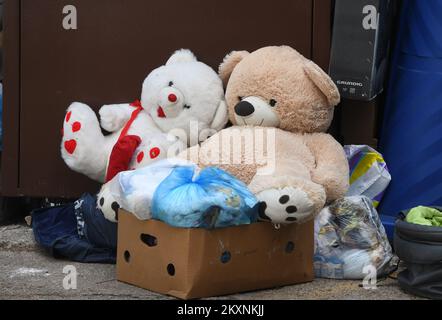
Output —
(244, 109)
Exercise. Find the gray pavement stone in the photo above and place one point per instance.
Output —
(17, 238)
(27, 272)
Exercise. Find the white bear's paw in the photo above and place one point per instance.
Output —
(81, 135)
(285, 205)
(107, 204)
(80, 130)
(110, 118)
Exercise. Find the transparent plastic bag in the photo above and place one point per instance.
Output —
(134, 190)
(211, 198)
(349, 237)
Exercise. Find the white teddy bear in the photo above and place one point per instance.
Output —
(182, 103)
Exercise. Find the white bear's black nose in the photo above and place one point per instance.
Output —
(244, 109)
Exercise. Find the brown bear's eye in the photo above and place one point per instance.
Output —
(240, 98)
(170, 83)
(273, 102)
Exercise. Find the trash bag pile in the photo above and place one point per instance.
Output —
(134, 190)
(348, 233)
(178, 193)
(349, 238)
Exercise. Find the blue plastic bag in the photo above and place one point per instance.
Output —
(134, 190)
(211, 199)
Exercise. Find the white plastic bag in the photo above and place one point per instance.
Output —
(134, 190)
(369, 174)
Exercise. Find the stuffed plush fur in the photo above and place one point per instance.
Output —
(281, 105)
(183, 99)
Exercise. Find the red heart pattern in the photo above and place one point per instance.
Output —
(70, 146)
(140, 157)
(76, 126)
(154, 153)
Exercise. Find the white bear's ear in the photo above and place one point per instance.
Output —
(221, 117)
(230, 62)
(323, 82)
(181, 56)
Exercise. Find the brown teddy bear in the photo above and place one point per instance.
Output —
(281, 105)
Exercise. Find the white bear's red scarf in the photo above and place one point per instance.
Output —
(125, 147)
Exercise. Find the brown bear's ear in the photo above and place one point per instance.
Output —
(323, 82)
(229, 63)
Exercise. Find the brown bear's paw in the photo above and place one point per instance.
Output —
(286, 205)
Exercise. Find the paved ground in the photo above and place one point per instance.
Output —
(28, 273)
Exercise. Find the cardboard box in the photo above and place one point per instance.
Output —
(197, 263)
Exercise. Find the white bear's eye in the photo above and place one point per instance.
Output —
(186, 106)
(170, 83)
(273, 102)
